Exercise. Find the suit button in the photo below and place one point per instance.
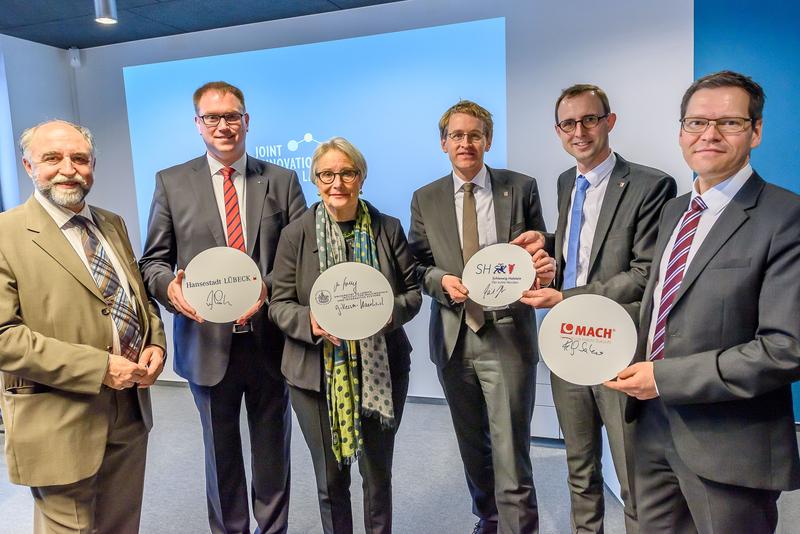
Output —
(105, 311)
(109, 348)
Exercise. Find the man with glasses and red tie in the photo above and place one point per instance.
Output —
(608, 211)
(227, 198)
(719, 339)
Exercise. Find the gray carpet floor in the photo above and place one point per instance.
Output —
(429, 489)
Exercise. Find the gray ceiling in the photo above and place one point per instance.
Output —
(68, 23)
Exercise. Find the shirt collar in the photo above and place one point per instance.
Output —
(596, 176)
(719, 196)
(240, 165)
(60, 215)
(481, 180)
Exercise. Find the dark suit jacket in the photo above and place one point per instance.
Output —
(184, 221)
(622, 248)
(434, 240)
(733, 341)
(55, 335)
(296, 270)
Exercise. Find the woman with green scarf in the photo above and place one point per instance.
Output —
(348, 395)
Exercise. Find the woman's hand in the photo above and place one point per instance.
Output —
(318, 331)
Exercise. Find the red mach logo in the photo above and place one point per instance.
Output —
(586, 331)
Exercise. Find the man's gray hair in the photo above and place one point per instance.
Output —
(27, 136)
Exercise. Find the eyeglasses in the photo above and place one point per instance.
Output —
(588, 122)
(472, 137)
(347, 176)
(724, 124)
(213, 119)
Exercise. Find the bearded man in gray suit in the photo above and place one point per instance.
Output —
(608, 211)
(486, 359)
(225, 197)
(719, 339)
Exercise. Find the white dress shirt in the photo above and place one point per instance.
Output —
(239, 169)
(598, 179)
(717, 199)
(62, 216)
(484, 205)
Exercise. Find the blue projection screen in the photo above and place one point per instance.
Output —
(385, 93)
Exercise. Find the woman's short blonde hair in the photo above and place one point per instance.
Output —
(345, 147)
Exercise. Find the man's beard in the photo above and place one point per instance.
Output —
(65, 199)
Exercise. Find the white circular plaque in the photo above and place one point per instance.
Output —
(222, 283)
(587, 339)
(352, 300)
(498, 274)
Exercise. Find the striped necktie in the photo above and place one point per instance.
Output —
(233, 220)
(675, 270)
(122, 312)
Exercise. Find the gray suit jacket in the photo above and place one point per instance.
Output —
(622, 248)
(296, 270)
(184, 221)
(434, 240)
(733, 341)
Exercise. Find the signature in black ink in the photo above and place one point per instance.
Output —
(573, 345)
(217, 297)
(346, 285)
(493, 291)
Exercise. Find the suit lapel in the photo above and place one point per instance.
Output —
(443, 205)
(255, 198)
(565, 184)
(733, 216)
(618, 182)
(52, 241)
(206, 201)
(502, 195)
(671, 218)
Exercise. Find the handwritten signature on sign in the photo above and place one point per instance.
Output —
(217, 296)
(572, 345)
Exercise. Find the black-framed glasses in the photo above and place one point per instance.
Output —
(588, 122)
(347, 176)
(213, 119)
(696, 125)
(471, 137)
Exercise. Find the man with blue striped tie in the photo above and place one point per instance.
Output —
(607, 214)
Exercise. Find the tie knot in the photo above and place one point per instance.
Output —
(227, 172)
(469, 187)
(80, 221)
(582, 183)
(697, 204)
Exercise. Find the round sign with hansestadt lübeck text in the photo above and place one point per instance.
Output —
(587, 339)
(352, 300)
(498, 274)
(221, 283)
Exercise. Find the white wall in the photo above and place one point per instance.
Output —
(39, 86)
(640, 52)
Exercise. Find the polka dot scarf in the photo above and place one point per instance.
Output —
(365, 358)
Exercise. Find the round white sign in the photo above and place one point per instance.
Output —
(498, 274)
(352, 300)
(587, 339)
(222, 283)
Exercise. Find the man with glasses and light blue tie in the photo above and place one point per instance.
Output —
(608, 211)
(227, 198)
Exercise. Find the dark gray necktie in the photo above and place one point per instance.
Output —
(473, 312)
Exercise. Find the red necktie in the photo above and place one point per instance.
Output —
(675, 269)
(233, 220)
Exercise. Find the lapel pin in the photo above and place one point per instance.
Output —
(621, 184)
(505, 193)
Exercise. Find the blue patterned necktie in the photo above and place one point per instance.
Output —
(574, 243)
(123, 314)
